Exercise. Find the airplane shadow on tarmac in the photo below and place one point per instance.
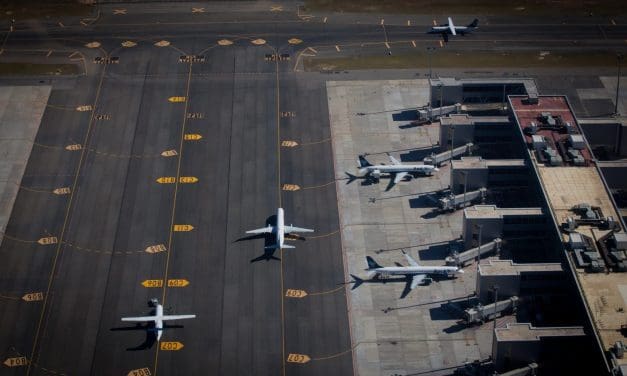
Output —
(359, 281)
(149, 328)
(269, 239)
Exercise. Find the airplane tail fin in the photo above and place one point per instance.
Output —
(474, 23)
(371, 263)
(356, 281)
(363, 162)
(351, 177)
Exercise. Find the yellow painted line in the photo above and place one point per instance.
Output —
(413, 43)
(18, 361)
(169, 153)
(177, 99)
(72, 55)
(182, 228)
(298, 358)
(289, 144)
(276, 8)
(613, 22)
(188, 179)
(408, 23)
(33, 297)
(325, 20)
(171, 346)
(84, 108)
(290, 293)
(155, 248)
(225, 42)
(192, 137)
(382, 21)
(294, 41)
(48, 240)
(62, 191)
(258, 41)
(139, 372)
(119, 11)
(150, 283)
(387, 45)
(177, 282)
(435, 23)
(290, 187)
(337, 48)
(61, 24)
(166, 180)
(49, 53)
(312, 50)
(441, 44)
(162, 43)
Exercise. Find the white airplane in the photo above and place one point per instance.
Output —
(158, 318)
(279, 230)
(451, 29)
(397, 170)
(415, 271)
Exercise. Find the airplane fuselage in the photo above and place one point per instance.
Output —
(280, 228)
(411, 270)
(445, 29)
(158, 321)
(424, 169)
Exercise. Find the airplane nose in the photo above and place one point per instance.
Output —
(436, 169)
(460, 271)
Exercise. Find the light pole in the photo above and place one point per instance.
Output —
(496, 294)
(619, 58)
(429, 53)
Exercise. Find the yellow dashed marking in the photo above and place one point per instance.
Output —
(413, 43)
(139, 372)
(84, 108)
(128, 44)
(171, 346)
(289, 144)
(48, 240)
(93, 44)
(298, 358)
(198, 10)
(166, 180)
(177, 282)
(162, 43)
(73, 147)
(155, 248)
(337, 48)
(188, 179)
(192, 137)
(290, 187)
(18, 361)
(294, 41)
(33, 297)
(182, 228)
(169, 153)
(150, 283)
(62, 191)
(258, 41)
(225, 42)
(177, 99)
(290, 293)
(441, 44)
(119, 11)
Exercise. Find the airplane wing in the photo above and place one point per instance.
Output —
(394, 160)
(265, 230)
(410, 260)
(139, 318)
(416, 279)
(297, 229)
(177, 317)
(451, 26)
(399, 176)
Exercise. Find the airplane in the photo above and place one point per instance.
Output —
(415, 273)
(158, 318)
(397, 170)
(450, 28)
(279, 230)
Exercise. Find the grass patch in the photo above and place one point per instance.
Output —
(38, 9)
(28, 69)
(474, 59)
(479, 7)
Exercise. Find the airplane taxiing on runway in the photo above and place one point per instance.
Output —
(279, 231)
(158, 318)
(450, 29)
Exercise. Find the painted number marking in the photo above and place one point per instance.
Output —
(288, 114)
(48, 240)
(188, 179)
(153, 283)
(73, 147)
(155, 248)
(298, 358)
(171, 346)
(295, 293)
(169, 153)
(62, 191)
(84, 108)
(195, 115)
(140, 372)
(103, 117)
(289, 144)
(177, 99)
(177, 282)
(16, 362)
(183, 228)
(166, 180)
(290, 187)
(192, 137)
(33, 297)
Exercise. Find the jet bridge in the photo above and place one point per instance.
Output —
(453, 202)
(460, 259)
(438, 159)
(482, 313)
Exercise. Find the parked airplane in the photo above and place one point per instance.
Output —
(450, 28)
(158, 318)
(415, 273)
(397, 170)
(279, 230)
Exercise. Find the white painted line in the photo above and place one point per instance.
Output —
(413, 43)
(49, 53)
(337, 48)
(387, 45)
(382, 21)
(325, 20)
(408, 23)
(613, 22)
(312, 50)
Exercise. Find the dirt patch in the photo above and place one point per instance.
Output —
(30, 69)
(37, 9)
